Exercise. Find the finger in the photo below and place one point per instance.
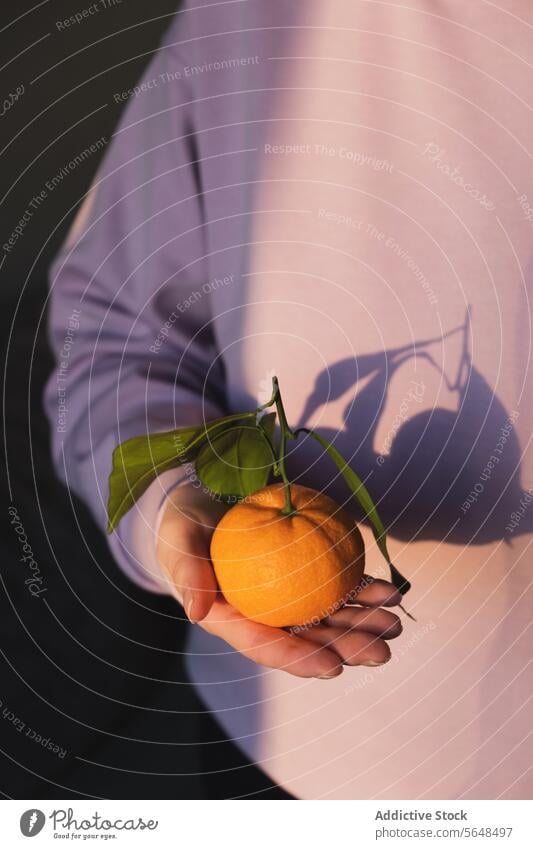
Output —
(187, 564)
(271, 646)
(382, 623)
(377, 593)
(355, 648)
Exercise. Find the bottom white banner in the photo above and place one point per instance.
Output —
(357, 823)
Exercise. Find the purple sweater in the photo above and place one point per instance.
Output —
(321, 190)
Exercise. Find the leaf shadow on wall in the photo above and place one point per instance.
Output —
(449, 475)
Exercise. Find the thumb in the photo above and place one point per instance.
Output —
(184, 556)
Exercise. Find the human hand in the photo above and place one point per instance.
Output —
(356, 635)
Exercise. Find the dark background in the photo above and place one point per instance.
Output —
(96, 668)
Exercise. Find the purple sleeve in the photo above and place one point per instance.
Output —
(129, 357)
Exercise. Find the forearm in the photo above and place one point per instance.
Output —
(135, 251)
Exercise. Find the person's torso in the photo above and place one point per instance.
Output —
(366, 175)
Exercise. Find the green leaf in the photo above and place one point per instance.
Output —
(268, 423)
(363, 496)
(239, 460)
(138, 461)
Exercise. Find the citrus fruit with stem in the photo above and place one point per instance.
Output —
(287, 568)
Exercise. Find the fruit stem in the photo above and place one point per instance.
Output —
(286, 433)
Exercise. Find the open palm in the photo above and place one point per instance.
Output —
(355, 635)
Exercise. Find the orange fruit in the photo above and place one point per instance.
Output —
(287, 569)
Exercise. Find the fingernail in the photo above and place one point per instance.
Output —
(329, 675)
(394, 599)
(374, 662)
(188, 604)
